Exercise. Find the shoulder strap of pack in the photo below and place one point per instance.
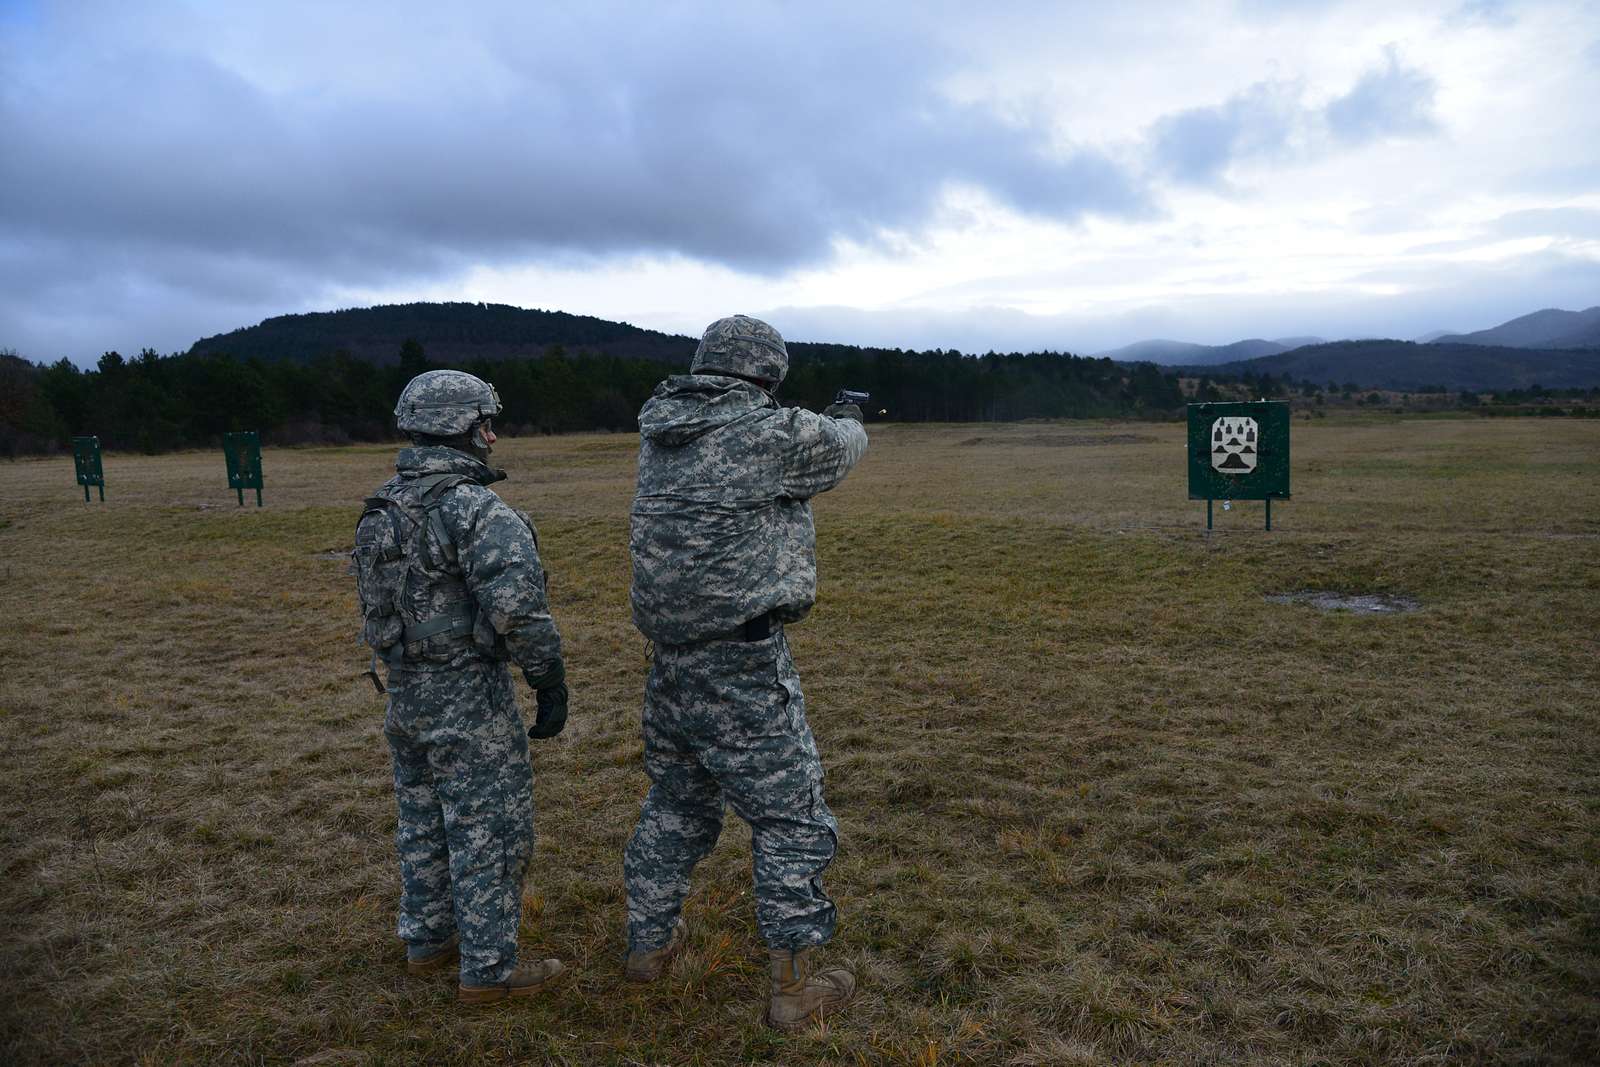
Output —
(434, 487)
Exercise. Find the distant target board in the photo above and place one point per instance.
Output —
(87, 465)
(1239, 452)
(242, 451)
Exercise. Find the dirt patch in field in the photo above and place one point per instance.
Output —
(1064, 440)
(1360, 603)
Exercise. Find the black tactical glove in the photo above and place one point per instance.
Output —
(550, 691)
(843, 411)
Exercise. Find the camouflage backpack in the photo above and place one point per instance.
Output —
(389, 541)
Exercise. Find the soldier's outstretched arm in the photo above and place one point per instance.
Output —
(821, 451)
(499, 558)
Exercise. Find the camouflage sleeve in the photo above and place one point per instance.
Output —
(499, 557)
(820, 452)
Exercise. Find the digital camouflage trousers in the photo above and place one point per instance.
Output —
(725, 722)
(464, 788)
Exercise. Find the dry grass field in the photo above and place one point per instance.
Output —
(1101, 802)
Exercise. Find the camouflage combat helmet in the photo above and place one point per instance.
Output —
(742, 346)
(444, 403)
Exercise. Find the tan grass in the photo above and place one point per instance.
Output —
(1100, 801)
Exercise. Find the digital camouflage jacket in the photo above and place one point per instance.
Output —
(721, 529)
(485, 568)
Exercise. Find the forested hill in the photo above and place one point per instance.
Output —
(448, 333)
(1408, 365)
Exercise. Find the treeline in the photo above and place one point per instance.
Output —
(946, 386)
(156, 403)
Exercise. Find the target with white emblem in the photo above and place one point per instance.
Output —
(1234, 444)
(1239, 450)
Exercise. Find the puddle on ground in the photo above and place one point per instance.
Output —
(1360, 603)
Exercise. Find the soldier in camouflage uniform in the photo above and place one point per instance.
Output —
(452, 589)
(724, 556)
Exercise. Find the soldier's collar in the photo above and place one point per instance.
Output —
(442, 459)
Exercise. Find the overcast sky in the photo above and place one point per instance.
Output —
(1006, 176)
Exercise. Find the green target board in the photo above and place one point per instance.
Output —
(1239, 451)
(243, 453)
(86, 462)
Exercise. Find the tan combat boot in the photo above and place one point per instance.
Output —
(799, 995)
(436, 959)
(525, 981)
(647, 966)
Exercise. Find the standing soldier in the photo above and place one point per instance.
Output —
(724, 555)
(451, 588)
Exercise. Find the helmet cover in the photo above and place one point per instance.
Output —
(444, 403)
(744, 347)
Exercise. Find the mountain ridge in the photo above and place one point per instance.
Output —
(1546, 328)
(1174, 353)
(1409, 366)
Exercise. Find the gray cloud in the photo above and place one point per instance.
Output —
(732, 135)
(1198, 145)
(1488, 12)
(1558, 223)
(1271, 120)
(172, 170)
(1390, 100)
(1567, 223)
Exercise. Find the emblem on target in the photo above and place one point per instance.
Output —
(1233, 445)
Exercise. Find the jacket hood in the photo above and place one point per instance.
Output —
(422, 460)
(687, 406)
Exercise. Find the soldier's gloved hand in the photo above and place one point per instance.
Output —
(843, 411)
(550, 691)
(552, 717)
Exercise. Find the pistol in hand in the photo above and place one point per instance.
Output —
(848, 404)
